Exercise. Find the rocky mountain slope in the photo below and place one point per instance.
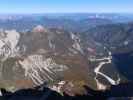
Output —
(117, 39)
(42, 55)
(52, 55)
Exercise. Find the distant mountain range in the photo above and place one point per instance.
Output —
(74, 22)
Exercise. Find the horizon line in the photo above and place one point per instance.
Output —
(17, 13)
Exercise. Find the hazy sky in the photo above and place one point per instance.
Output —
(57, 6)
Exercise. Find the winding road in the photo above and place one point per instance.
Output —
(105, 60)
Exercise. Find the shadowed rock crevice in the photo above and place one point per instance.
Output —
(119, 91)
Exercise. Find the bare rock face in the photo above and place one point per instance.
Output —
(8, 43)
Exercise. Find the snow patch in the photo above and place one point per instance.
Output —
(126, 43)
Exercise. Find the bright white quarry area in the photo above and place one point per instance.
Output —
(36, 64)
(8, 42)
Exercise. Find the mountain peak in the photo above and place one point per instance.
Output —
(39, 28)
